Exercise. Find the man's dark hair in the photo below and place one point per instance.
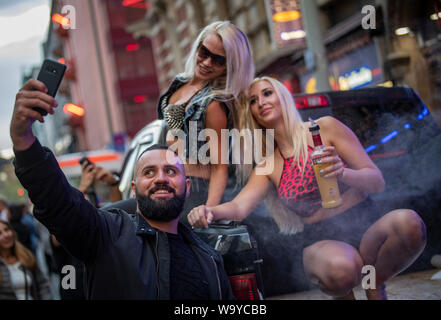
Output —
(157, 146)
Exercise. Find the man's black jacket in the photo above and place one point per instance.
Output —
(125, 258)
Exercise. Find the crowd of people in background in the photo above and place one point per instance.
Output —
(29, 246)
(22, 275)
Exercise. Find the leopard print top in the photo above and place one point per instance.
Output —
(300, 194)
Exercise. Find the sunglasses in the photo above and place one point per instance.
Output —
(216, 59)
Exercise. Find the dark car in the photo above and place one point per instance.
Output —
(396, 130)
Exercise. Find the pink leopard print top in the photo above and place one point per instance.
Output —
(300, 195)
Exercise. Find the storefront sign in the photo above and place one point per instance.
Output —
(287, 24)
(359, 68)
(355, 79)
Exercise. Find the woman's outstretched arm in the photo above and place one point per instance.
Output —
(237, 209)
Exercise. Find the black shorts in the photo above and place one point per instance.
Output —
(348, 226)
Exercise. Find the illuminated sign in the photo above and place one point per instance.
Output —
(354, 70)
(286, 16)
(287, 23)
(355, 79)
(350, 80)
(286, 36)
(74, 109)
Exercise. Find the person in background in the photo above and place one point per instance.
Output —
(91, 174)
(4, 210)
(23, 231)
(335, 243)
(20, 276)
(29, 221)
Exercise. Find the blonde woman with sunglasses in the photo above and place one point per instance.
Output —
(217, 73)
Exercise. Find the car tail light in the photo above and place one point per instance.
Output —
(311, 101)
(244, 286)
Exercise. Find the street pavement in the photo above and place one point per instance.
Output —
(424, 285)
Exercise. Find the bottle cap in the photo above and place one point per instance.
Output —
(314, 126)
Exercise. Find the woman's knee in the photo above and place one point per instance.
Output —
(343, 274)
(410, 228)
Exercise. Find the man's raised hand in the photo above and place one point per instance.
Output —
(32, 94)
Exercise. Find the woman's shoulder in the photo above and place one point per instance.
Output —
(328, 124)
(326, 121)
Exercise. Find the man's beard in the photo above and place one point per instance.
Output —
(161, 209)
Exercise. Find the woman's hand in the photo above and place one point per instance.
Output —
(336, 167)
(200, 217)
(361, 172)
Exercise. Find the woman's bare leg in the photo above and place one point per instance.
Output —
(391, 245)
(334, 266)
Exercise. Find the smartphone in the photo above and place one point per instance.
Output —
(51, 74)
(85, 159)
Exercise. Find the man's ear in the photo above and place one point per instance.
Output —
(187, 181)
(133, 189)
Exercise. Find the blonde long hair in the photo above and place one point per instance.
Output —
(293, 123)
(233, 85)
(287, 221)
(19, 251)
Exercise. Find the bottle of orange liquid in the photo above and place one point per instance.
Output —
(328, 186)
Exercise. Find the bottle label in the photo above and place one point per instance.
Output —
(332, 192)
(315, 156)
(317, 140)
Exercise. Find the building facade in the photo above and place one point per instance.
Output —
(112, 75)
(173, 26)
(357, 56)
(123, 54)
(55, 132)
